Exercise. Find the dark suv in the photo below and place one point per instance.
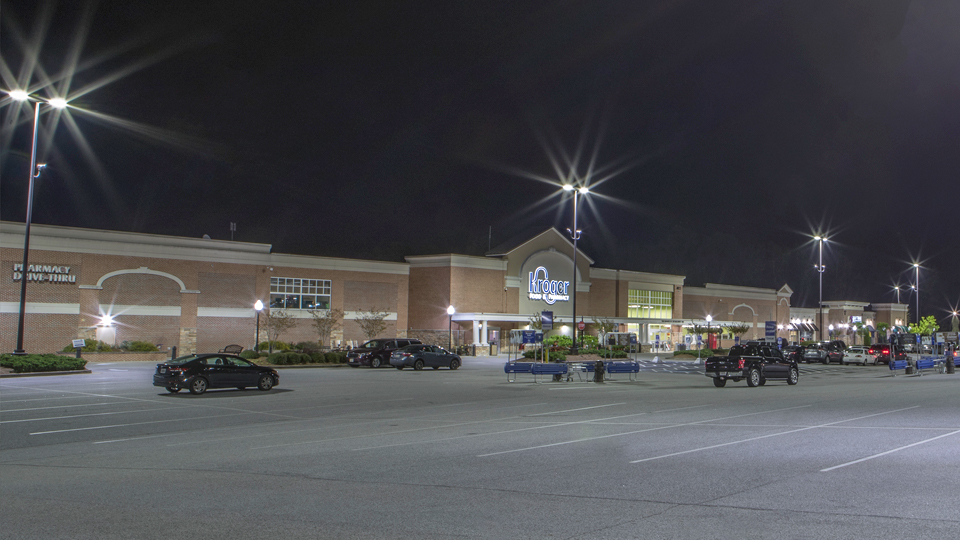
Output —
(376, 352)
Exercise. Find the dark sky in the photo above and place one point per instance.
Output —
(380, 129)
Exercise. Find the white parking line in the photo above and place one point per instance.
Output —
(84, 415)
(585, 439)
(881, 454)
(580, 409)
(768, 436)
(135, 424)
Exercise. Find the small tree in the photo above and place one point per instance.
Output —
(882, 331)
(926, 326)
(372, 322)
(604, 327)
(738, 329)
(536, 322)
(697, 330)
(326, 321)
(276, 323)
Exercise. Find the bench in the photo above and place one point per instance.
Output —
(232, 349)
(548, 369)
(517, 367)
(897, 364)
(630, 367)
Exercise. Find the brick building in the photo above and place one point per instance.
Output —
(198, 294)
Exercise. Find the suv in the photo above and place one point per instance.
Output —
(825, 352)
(376, 352)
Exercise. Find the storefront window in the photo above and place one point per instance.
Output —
(294, 293)
(649, 304)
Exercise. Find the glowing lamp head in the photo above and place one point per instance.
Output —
(451, 310)
(58, 103)
(709, 318)
(258, 306)
(106, 320)
(568, 187)
(583, 190)
(18, 95)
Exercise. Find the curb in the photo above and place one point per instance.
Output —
(311, 366)
(44, 373)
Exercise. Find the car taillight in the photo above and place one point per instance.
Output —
(740, 364)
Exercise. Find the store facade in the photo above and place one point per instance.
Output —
(198, 294)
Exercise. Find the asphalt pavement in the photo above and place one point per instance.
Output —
(851, 452)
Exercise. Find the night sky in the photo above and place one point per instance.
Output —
(722, 134)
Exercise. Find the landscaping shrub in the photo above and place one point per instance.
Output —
(277, 346)
(558, 341)
(317, 357)
(276, 359)
(250, 354)
(142, 346)
(33, 363)
(303, 358)
(336, 357)
(90, 345)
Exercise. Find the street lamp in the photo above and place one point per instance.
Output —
(820, 268)
(917, 266)
(450, 312)
(57, 103)
(259, 307)
(709, 319)
(897, 288)
(575, 235)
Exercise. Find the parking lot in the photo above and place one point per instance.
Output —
(850, 452)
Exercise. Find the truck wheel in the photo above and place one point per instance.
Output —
(753, 378)
(719, 383)
(794, 377)
(375, 362)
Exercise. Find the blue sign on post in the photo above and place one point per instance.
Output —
(779, 342)
(699, 339)
(633, 339)
(736, 340)
(546, 320)
(531, 336)
(770, 329)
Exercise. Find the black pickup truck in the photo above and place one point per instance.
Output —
(755, 363)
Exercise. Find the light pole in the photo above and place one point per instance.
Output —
(259, 307)
(709, 319)
(820, 268)
(575, 235)
(917, 266)
(57, 103)
(450, 312)
(897, 288)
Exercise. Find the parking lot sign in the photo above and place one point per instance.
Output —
(546, 320)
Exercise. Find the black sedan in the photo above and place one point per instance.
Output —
(420, 356)
(198, 372)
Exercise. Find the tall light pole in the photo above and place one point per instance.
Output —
(450, 312)
(917, 266)
(897, 288)
(57, 103)
(820, 268)
(575, 235)
(259, 307)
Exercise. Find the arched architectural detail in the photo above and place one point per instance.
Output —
(735, 308)
(141, 270)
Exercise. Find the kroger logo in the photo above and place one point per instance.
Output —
(546, 289)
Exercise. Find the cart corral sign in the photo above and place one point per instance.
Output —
(45, 273)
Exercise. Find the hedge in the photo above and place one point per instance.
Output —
(33, 363)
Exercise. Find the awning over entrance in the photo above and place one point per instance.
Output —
(804, 327)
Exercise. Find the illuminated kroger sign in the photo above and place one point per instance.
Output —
(546, 289)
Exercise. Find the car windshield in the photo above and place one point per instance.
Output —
(372, 344)
(182, 359)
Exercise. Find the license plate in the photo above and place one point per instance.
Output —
(163, 370)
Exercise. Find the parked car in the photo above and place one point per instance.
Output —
(420, 356)
(882, 352)
(859, 354)
(793, 352)
(198, 372)
(754, 363)
(376, 352)
(824, 352)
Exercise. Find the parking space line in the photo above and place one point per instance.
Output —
(135, 424)
(580, 409)
(84, 415)
(585, 439)
(881, 454)
(692, 450)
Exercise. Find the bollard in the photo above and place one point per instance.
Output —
(78, 352)
(598, 370)
(950, 361)
(173, 352)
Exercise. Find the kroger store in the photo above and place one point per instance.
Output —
(198, 294)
